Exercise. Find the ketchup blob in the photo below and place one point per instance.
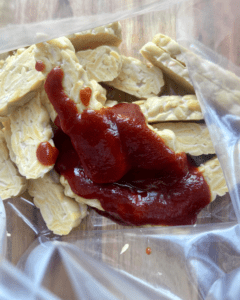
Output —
(47, 154)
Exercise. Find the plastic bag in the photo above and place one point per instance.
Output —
(98, 261)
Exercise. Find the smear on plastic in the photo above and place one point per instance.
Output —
(99, 261)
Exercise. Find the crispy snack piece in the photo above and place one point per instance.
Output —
(68, 192)
(60, 52)
(171, 108)
(169, 45)
(169, 65)
(138, 79)
(191, 138)
(11, 182)
(18, 81)
(213, 174)
(26, 129)
(110, 35)
(60, 212)
(101, 64)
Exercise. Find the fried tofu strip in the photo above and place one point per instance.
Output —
(110, 35)
(18, 81)
(170, 66)
(138, 79)
(191, 138)
(171, 108)
(213, 175)
(60, 212)
(11, 182)
(26, 128)
(101, 64)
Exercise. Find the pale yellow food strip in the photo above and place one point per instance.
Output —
(11, 182)
(18, 81)
(170, 66)
(110, 35)
(191, 138)
(60, 53)
(138, 79)
(60, 213)
(101, 64)
(29, 126)
(171, 108)
(213, 175)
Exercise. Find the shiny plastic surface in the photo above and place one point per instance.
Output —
(100, 260)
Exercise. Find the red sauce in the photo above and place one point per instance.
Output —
(148, 250)
(112, 155)
(85, 95)
(39, 66)
(47, 154)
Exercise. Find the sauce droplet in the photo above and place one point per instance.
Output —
(85, 95)
(39, 66)
(148, 250)
(47, 154)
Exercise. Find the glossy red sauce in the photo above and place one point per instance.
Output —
(112, 155)
(148, 250)
(47, 154)
(39, 66)
(85, 95)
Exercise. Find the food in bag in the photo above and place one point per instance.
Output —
(105, 153)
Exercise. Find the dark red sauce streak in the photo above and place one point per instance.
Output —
(39, 66)
(47, 154)
(85, 95)
(111, 155)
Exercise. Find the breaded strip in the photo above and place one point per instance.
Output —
(101, 64)
(18, 81)
(169, 45)
(171, 108)
(211, 171)
(169, 65)
(213, 174)
(110, 35)
(11, 182)
(191, 138)
(60, 212)
(29, 126)
(60, 52)
(138, 79)
(68, 192)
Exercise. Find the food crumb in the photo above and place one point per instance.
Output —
(124, 248)
(148, 250)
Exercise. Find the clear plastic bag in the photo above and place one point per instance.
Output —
(102, 260)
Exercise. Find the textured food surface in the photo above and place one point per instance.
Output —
(169, 66)
(138, 79)
(60, 53)
(171, 108)
(18, 80)
(110, 35)
(191, 138)
(213, 174)
(60, 212)
(30, 125)
(11, 182)
(101, 64)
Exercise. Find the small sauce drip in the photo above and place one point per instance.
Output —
(148, 250)
(47, 154)
(39, 66)
(85, 95)
(111, 155)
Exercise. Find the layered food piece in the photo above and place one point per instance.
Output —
(109, 156)
(11, 182)
(60, 212)
(164, 53)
